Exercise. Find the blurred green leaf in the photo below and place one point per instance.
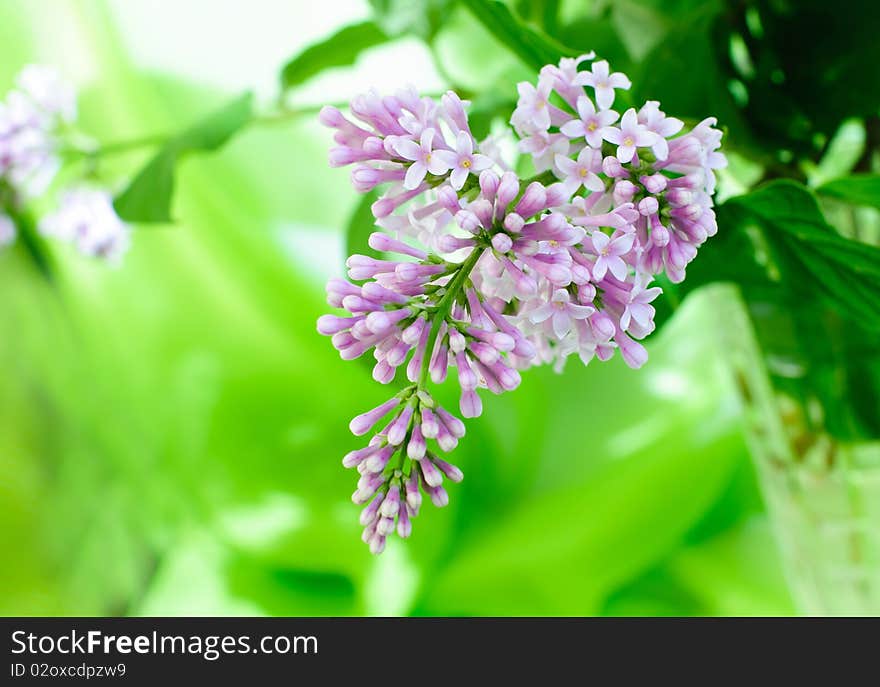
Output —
(532, 46)
(422, 18)
(360, 226)
(148, 196)
(339, 50)
(858, 189)
(587, 537)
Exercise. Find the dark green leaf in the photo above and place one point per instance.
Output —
(532, 46)
(339, 50)
(148, 196)
(810, 254)
(858, 189)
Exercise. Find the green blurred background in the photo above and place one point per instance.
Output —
(171, 431)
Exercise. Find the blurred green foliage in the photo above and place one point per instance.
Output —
(172, 430)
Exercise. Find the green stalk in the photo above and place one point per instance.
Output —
(444, 307)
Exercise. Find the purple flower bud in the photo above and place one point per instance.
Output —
(502, 242)
(368, 514)
(383, 242)
(337, 289)
(404, 525)
(467, 378)
(383, 372)
(457, 342)
(331, 324)
(485, 353)
(507, 377)
(612, 168)
(656, 183)
(489, 183)
(391, 504)
(438, 495)
(412, 271)
(378, 460)
(413, 495)
(470, 404)
(453, 424)
(399, 427)
(508, 188)
(439, 363)
(377, 543)
(514, 223)
(431, 476)
(648, 206)
(602, 324)
(381, 321)
(533, 201)
(416, 447)
(331, 117)
(430, 424)
(413, 333)
(367, 486)
(451, 471)
(364, 422)
(385, 526)
(354, 458)
(634, 354)
(557, 194)
(449, 243)
(445, 440)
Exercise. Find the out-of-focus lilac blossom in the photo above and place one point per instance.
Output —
(86, 218)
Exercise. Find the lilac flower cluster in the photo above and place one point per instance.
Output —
(508, 272)
(35, 125)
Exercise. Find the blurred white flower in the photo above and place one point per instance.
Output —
(87, 219)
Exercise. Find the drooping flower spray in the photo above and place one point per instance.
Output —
(487, 273)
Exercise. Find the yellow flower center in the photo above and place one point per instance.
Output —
(627, 141)
(592, 126)
(582, 172)
(466, 164)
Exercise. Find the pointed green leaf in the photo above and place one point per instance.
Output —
(858, 189)
(339, 50)
(532, 46)
(148, 197)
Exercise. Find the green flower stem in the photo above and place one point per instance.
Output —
(444, 307)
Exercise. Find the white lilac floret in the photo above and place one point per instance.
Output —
(484, 274)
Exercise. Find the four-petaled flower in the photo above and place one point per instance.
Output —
(655, 120)
(609, 251)
(604, 83)
(562, 311)
(582, 172)
(462, 161)
(533, 105)
(424, 158)
(639, 308)
(591, 123)
(630, 135)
